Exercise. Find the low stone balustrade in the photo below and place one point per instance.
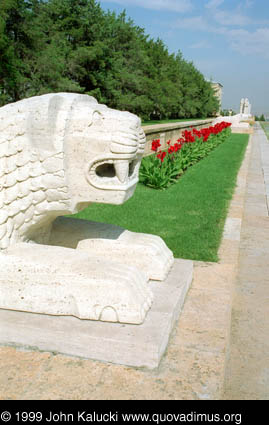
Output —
(170, 131)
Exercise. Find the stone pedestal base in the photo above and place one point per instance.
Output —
(134, 345)
(89, 270)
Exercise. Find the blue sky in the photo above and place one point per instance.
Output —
(227, 40)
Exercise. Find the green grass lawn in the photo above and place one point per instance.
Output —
(189, 215)
(265, 126)
(170, 121)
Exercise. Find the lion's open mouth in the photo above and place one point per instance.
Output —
(118, 169)
(114, 174)
(122, 169)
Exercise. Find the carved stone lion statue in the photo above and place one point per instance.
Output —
(59, 153)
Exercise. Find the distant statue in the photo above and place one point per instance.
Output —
(245, 107)
(242, 106)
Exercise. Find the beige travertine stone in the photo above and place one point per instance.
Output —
(236, 122)
(245, 107)
(170, 131)
(140, 346)
(242, 102)
(192, 367)
(58, 154)
(114, 243)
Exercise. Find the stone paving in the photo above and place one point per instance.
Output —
(194, 365)
(247, 373)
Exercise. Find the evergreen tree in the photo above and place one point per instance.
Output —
(73, 45)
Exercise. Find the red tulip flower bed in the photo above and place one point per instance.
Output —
(165, 167)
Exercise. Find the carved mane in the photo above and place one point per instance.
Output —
(32, 176)
(34, 132)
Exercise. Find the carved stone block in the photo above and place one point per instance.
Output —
(58, 154)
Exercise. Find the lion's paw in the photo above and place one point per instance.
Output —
(63, 281)
(123, 296)
(156, 257)
(146, 252)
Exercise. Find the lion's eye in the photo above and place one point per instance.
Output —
(97, 116)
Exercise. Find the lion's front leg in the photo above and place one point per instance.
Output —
(63, 281)
(146, 252)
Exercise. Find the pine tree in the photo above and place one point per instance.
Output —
(73, 45)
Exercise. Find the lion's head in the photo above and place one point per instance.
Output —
(59, 153)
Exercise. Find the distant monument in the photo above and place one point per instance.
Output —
(239, 121)
(242, 103)
(245, 107)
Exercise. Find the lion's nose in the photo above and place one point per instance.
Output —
(124, 143)
(125, 149)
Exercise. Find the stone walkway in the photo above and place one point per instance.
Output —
(247, 376)
(194, 366)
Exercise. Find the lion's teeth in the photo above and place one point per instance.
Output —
(122, 170)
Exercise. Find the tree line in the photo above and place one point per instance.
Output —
(261, 118)
(76, 46)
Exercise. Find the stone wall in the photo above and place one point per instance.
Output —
(170, 131)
